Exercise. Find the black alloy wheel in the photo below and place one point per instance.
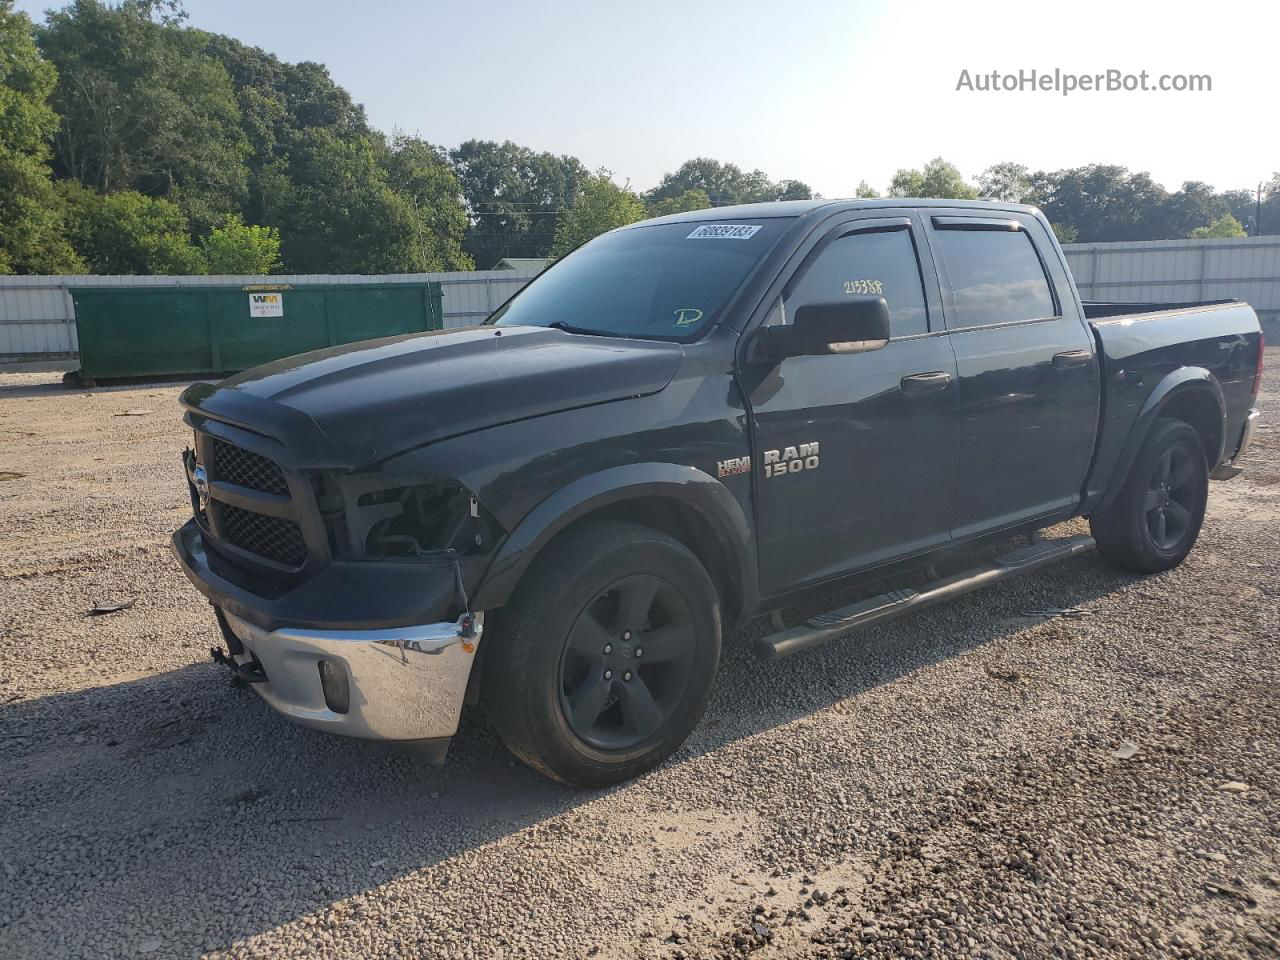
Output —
(626, 662)
(1171, 498)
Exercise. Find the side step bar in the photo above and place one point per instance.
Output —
(889, 606)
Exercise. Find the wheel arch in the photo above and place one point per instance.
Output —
(680, 500)
(1190, 394)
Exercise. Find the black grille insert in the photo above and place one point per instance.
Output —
(232, 464)
(271, 537)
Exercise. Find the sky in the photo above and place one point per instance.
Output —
(831, 93)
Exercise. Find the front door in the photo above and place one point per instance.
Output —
(852, 452)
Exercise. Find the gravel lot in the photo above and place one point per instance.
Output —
(980, 780)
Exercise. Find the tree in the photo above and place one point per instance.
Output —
(419, 173)
(1101, 202)
(514, 197)
(865, 191)
(726, 183)
(1065, 233)
(601, 206)
(792, 190)
(1241, 205)
(937, 179)
(32, 232)
(1008, 182)
(1192, 206)
(1271, 206)
(130, 233)
(237, 248)
(277, 102)
(338, 213)
(689, 200)
(144, 108)
(1225, 226)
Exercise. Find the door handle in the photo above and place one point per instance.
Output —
(925, 382)
(1072, 358)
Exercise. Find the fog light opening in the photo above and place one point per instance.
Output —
(334, 683)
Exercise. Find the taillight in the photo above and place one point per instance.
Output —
(1257, 376)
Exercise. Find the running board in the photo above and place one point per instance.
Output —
(889, 606)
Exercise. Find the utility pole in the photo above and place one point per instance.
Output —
(1257, 214)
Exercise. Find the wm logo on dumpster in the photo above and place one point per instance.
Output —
(266, 304)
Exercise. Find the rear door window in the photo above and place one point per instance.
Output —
(996, 276)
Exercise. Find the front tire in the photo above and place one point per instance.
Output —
(1154, 521)
(602, 662)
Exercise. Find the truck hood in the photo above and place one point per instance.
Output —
(381, 397)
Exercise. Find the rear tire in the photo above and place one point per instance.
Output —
(1154, 521)
(602, 662)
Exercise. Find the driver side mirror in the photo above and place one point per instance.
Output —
(855, 324)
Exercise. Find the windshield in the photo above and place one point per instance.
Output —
(667, 282)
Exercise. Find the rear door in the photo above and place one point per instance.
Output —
(852, 452)
(1027, 403)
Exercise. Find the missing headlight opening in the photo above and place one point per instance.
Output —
(406, 521)
(429, 517)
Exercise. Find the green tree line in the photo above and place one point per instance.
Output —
(133, 143)
(1104, 202)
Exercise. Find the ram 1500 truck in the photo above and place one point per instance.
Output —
(686, 423)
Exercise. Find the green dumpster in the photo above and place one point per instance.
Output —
(194, 330)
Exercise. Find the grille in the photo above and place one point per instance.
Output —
(271, 537)
(237, 465)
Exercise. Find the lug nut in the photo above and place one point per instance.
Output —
(639, 651)
(627, 675)
(626, 635)
(608, 648)
(608, 674)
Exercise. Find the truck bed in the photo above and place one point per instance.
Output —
(1148, 348)
(1107, 309)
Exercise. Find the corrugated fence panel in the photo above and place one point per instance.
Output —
(1247, 268)
(470, 297)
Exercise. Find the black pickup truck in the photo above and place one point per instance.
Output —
(686, 423)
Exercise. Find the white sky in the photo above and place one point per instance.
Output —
(818, 90)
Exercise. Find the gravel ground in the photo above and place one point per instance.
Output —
(979, 780)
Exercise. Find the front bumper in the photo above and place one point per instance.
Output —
(383, 628)
(401, 684)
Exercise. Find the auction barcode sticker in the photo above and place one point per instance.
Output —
(724, 231)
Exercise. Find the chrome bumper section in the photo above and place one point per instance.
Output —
(405, 683)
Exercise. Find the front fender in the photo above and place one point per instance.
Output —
(587, 494)
(1173, 387)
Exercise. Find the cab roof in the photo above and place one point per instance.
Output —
(799, 208)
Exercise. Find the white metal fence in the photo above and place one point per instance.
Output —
(37, 318)
(1171, 271)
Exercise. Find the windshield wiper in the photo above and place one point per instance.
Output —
(570, 328)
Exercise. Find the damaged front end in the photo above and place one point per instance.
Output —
(368, 630)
